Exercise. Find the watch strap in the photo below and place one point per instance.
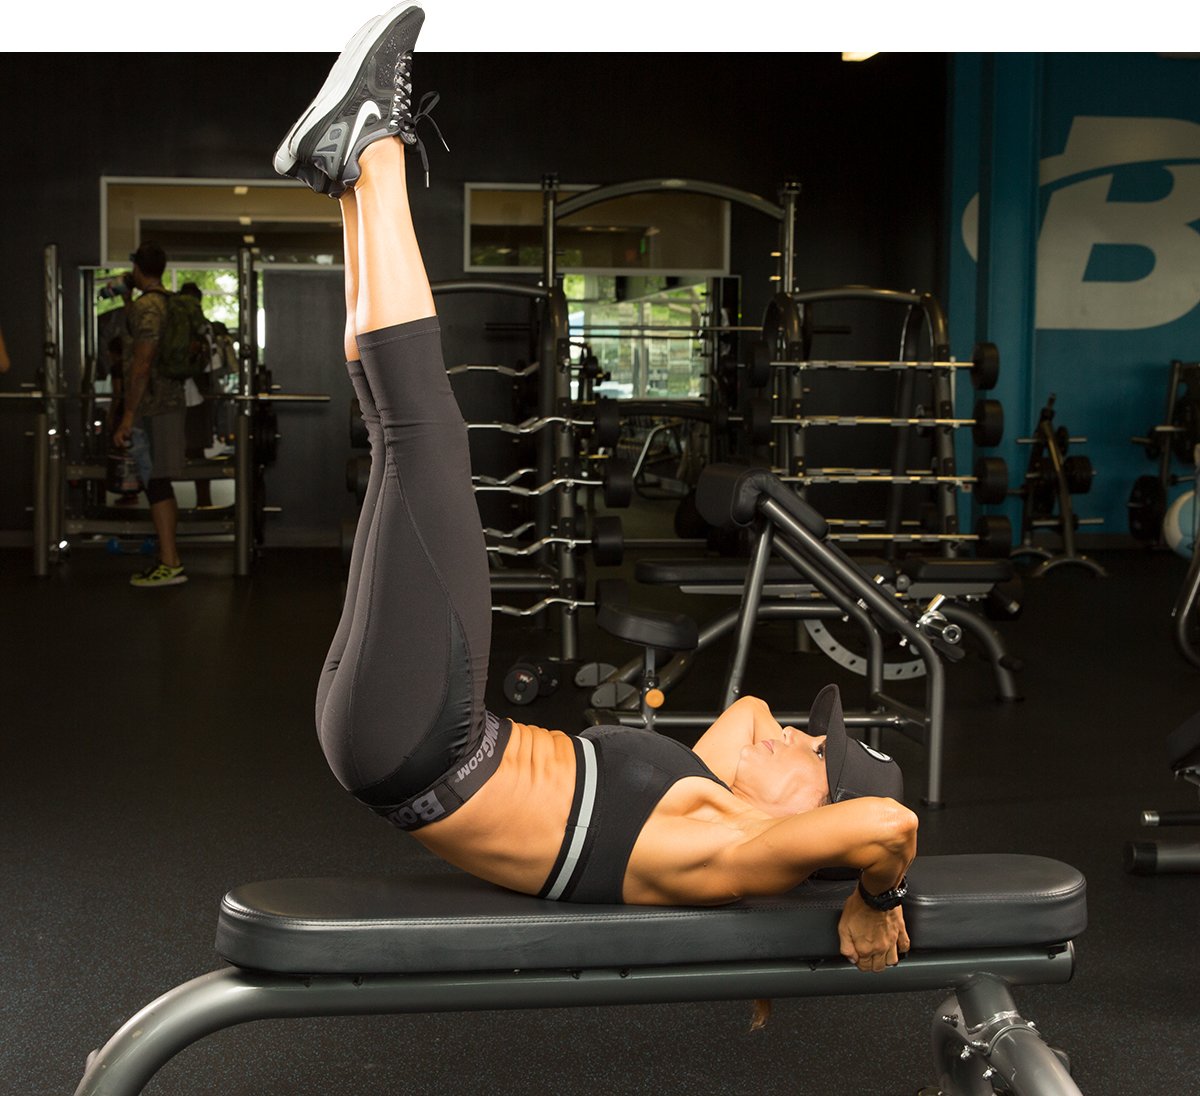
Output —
(888, 900)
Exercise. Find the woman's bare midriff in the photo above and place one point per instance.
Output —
(509, 832)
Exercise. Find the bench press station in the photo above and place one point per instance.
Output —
(451, 943)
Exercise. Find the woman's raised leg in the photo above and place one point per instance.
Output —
(401, 717)
(406, 703)
(375, 439)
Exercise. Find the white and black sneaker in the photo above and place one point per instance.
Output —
(367, 95)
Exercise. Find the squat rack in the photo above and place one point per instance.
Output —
(558, 516)
(52, 525)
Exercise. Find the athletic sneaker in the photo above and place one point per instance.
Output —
(160, 575)
(367, 95)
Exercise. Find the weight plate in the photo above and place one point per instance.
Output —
(985, 371)
(1079, 473)
(989, 423)
(758, 373)
(991, 479)
(1147, 507)
(994, 536)
(1185, 417)
(608, 540)
(618, 484)
(607, 428)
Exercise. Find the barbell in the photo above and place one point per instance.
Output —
(990, 478)
(992, 537)
(984, 365)
(607, 542)
(617, 483)
(987, 425)
(605, 423)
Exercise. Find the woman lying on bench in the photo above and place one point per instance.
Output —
(610, 815)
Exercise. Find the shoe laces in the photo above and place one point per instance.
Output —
(403, 119)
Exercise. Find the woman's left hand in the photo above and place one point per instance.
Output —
(870, 939)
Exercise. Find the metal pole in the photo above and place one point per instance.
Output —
(547, 397)
(53, 386)
(790, 452)
(41, 493)
(244, 488)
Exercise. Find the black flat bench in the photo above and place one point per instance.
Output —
(448, 942)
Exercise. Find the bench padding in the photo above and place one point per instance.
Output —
(681, 572)
(452, 922)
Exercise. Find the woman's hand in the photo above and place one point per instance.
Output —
(871, 940)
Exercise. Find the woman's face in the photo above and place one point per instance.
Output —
(783, 776)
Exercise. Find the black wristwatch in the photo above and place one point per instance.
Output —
(888, 900)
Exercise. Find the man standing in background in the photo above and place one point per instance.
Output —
(152, 424)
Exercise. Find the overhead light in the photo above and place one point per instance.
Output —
(242, 191)
(244, 221)
(247, 239)
(850, 56)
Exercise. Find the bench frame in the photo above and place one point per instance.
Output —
(978, 1032)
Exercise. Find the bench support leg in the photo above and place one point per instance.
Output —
(982, 1045)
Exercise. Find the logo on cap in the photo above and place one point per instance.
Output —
(874, 753)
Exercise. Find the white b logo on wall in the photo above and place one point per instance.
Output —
(1080, 215)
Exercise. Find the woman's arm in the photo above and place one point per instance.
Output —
(877, 836)
(745, 722)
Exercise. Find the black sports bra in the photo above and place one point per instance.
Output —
(621, 774)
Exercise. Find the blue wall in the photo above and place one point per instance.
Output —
(1082, 172)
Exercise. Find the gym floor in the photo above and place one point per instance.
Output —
(160, 750)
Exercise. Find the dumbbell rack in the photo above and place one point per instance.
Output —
(1174, 439)
(785, 351)
(1052, 477)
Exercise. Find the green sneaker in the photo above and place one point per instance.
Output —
(160, 575)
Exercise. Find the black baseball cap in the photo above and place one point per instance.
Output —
(854, 769)
(150, 259)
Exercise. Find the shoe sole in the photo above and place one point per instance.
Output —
(339, 82)
(178, 581)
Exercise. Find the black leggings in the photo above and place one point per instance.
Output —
(400, 709)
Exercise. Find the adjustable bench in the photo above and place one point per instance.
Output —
(450, 943)
(816, 580)
(786, 595)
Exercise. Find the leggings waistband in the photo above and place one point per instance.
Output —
(445, 796)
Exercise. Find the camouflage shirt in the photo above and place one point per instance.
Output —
(146, 318)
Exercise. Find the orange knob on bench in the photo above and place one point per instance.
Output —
(655, 698)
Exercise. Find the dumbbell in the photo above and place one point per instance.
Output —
(607, 542)
(528, 679)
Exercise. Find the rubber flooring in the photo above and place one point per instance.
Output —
(159, 749)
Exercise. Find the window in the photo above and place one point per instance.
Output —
(673, 233)
(205, 221)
